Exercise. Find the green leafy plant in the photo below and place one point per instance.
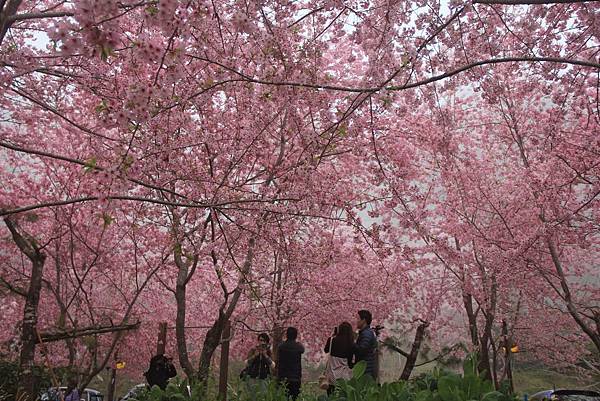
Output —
(259, 390)
(362, 387)
(438, 385)
(177, 390)
(454, 387)
(9, 379)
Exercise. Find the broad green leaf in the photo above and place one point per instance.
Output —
(359, 370)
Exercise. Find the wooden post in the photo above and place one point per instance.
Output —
(111, 384)
(277, 339)
(508, 356)
(53, 377)
(162, 338)
(224, 364)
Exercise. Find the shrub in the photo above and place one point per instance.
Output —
(438, 385)
(9, 372)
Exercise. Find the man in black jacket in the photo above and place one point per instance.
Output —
(366, 343)
(289, 367)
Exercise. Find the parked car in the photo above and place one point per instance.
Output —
(566, 395)
(89, 394)
(134, 391)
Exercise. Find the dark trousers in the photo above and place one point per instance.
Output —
(292, 388)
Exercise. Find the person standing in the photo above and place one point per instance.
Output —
(366, 343)
(340, 348)
(260, 360)
(72, 392)
(160, 371)
(289, 371)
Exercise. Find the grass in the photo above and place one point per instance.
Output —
(532, 380)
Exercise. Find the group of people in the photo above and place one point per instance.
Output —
(344, 350)
(260, 363)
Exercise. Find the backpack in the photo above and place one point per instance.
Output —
(258, 368)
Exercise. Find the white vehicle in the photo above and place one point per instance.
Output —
(566, 395)
(134, 391)
(89, 394)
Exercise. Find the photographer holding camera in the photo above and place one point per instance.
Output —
(260, 360)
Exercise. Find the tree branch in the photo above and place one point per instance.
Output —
(39, 15)
(17, 148)
(388, 343)
(583, 63)
(19, 291)
(530, 2)
(86, 331)
(198, 205)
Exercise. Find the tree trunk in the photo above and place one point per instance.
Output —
(28, 334)
(9, 10)
(180, 296)
(411, 359)
(277, 339)
(594, 335)
(472, 317)
(28, 245)
(483, 366)
(213, 336)
(211, 342)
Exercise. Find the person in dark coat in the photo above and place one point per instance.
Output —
(366, 343)
(72, 392)
(289, 371)
(160, 371)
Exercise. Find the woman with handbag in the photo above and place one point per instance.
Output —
(340, 349)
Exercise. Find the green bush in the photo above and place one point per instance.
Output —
(177, 390)
(267, 390)
(438, 385)
(9, 378)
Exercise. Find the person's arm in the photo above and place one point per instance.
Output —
(269, 358)
(363, 345)
(172, 371)
(278, 361)
(253, 353)
(348, 351)
(327, 345)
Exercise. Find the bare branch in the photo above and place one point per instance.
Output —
(198, 205)
(560, 60)
(81, 163)
(531, 2)
(40, 15)
(19, 291)
(86, 331)
(583, 63)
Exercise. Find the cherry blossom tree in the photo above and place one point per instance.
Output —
(261, 158)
